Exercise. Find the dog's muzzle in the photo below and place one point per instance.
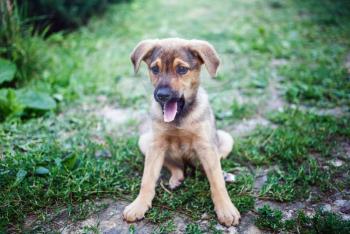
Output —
(170, 102)
(163, 94)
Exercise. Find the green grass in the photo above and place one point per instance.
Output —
(193, 229)
(269, 218)
(48, 160)
(322, 222)
(296, 151)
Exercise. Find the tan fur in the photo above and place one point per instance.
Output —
(194, 137)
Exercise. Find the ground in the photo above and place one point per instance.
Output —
(282, 91)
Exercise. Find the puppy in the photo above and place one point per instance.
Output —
(183, 125)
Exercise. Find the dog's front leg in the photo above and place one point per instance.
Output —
(153, 164)
(226, 212)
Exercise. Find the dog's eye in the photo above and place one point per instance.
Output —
(181, 70)
(155, 69)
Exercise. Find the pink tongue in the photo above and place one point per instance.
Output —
(170, 110)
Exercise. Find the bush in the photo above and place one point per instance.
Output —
(62, 14)
(23, 27)
(17, 45)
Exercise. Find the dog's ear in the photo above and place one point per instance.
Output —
(140, 52)
(207, 54)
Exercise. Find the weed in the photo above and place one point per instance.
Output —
(269, 218)
(157, 215)
(90, 230)
(166, 227)
(193, 228)
(321, 222)
(19, 43)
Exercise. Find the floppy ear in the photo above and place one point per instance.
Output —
(140, 52)
(207, 54)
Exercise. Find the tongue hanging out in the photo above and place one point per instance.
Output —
(170, 109)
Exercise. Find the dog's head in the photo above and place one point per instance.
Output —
(174, 68)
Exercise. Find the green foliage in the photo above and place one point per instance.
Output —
(36, 100)
(316, 74)
(42, 171)
(49, 173)
(244, 203)
(295, 182)
(43, 175)
(315, 84)
(18, 44)
(158, 215)
(322, 222)
(240, 111)
(9, 104)
(64, 14)
(164, 228)
(20, 47)
(237, 111)
(24, 102)
(90, 230)
(293, 138)
(193, 228)
(292, 145)
(7, 71)
(269, 218)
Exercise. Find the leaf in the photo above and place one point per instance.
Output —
(71, 162)
(58, 97)
(7, 70)
(9, 104)
(21, 174)
(42, 171)
(58, 162)
(36, 100)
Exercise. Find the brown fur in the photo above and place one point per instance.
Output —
(192, 135)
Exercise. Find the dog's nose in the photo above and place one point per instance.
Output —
(163, 94)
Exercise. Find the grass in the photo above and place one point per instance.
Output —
(54, 161)
(269, 218)
(193, 229)
(322, 222)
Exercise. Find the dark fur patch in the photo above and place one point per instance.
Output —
(189, 105)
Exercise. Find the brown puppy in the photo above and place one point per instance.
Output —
(183, 124)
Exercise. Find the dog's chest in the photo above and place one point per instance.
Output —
(180, 144)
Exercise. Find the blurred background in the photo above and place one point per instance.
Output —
(59, 51)
(71, 106)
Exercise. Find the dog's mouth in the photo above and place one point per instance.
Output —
(172, 108)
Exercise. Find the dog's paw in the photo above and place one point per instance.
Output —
(228, 214)
(175, 181)
(135, 211)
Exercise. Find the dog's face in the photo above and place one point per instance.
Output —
(174, 69)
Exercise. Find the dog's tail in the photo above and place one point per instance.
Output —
(225, 143)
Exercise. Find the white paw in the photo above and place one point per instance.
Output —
(135, 211)
(175, 181)
(228, 214)
(229, 177)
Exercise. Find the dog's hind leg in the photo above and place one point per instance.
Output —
(176, 169)
(225, 143)
(145, 141)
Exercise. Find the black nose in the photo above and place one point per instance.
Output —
(163, 94)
